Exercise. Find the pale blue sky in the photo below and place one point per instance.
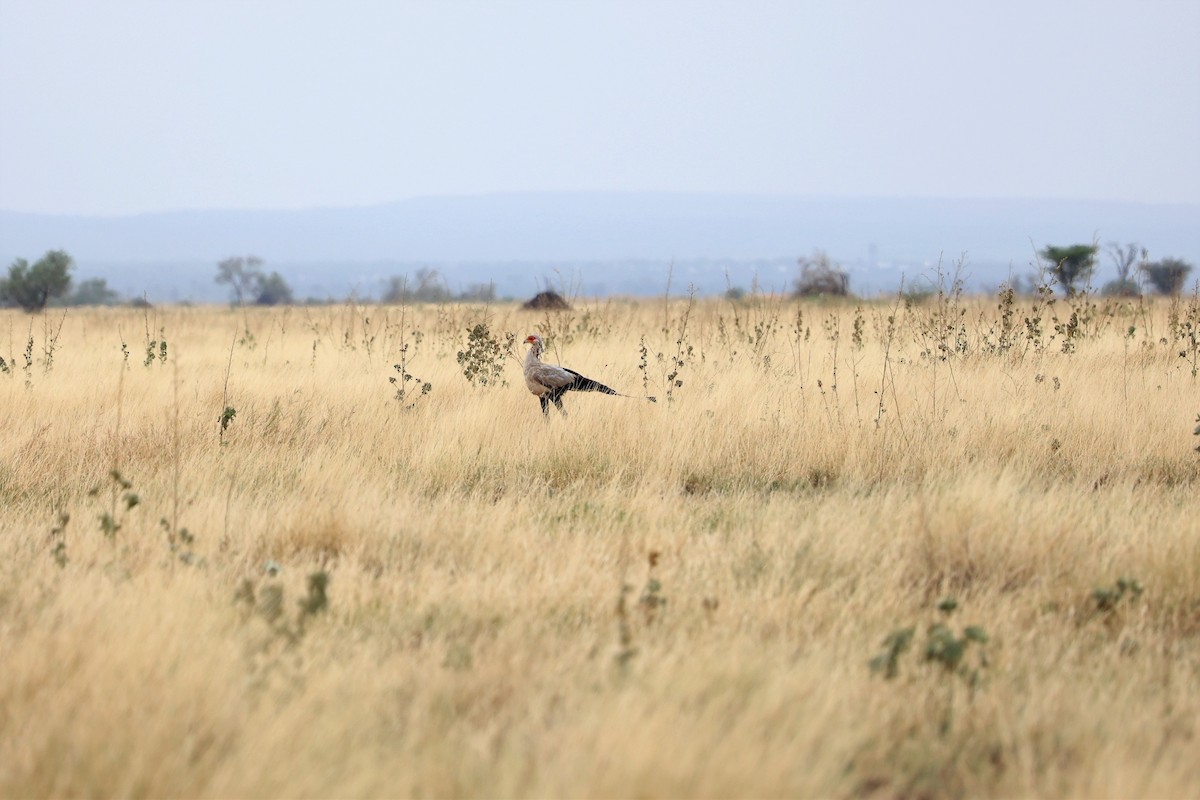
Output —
(121, 106)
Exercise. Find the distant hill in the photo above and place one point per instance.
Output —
(517, 239)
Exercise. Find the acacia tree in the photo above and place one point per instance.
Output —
(272, 290)
(241, 274)
(92, 292)
(1167, 276)
(1124, 258)
(247, 280)
(31, 287)
(1071, 264)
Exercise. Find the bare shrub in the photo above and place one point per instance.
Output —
(820, 276)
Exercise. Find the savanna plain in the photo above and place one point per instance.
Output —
(909, 547)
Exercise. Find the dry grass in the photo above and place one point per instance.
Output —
(478, 640)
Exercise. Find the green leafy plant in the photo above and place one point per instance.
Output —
(1108, 599)
(122, 500)
(1187, 333)
(1035, 332)
(28, 355)
(1007, 335)
(316, 600)
(625, 647)
(651, 601)
(941, 324)
(58, 538)
(949, 649)
(401, 381)
(482, 361)
(266, 601)
(860, 324)
(225, 420)
(684, 351)
(943, 646)
(643, 363)
(155, 348)
(895, 645)
(179, 541)
(50, 334)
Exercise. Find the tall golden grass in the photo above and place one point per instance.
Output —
(670, 599)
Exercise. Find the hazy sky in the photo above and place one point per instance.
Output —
(121, 106)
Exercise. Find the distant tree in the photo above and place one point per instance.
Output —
(31, 287)
(242, 275)
(272, 290)
(247, 281)
(396, 290)
(1071, 265)
(426, 287)
(479, 293)
(1167, 276)
(93, 292)
(819, 276)
(1124, 258)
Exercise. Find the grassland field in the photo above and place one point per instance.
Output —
(943, 548)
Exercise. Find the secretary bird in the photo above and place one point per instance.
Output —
(549, 382)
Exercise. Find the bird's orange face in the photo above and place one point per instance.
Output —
(530, 339)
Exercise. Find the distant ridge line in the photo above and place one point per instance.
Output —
(547, 226)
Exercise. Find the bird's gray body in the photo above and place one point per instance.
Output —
(548, 382)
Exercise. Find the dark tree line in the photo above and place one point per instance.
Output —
(48, 282)
(427, 286)
(1073, 266)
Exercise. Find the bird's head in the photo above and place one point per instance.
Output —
(534, 340)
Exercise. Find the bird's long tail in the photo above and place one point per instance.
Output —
(583, 384)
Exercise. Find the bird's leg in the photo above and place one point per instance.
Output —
(558, 404)
(545, 405)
